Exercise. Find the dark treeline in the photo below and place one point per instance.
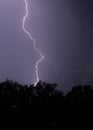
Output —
(44, 107)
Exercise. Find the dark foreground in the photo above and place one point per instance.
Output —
(43, 107)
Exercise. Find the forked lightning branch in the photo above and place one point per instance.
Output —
(33, 40)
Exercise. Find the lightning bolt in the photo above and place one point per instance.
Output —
(33, 40)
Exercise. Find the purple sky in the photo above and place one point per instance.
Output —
(63, 30)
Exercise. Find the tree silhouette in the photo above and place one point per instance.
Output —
(26, 106)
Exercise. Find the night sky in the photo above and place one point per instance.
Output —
(63, 30)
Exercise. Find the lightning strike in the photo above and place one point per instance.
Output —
(33, 40)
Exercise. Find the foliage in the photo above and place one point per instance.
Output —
(23, 106)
